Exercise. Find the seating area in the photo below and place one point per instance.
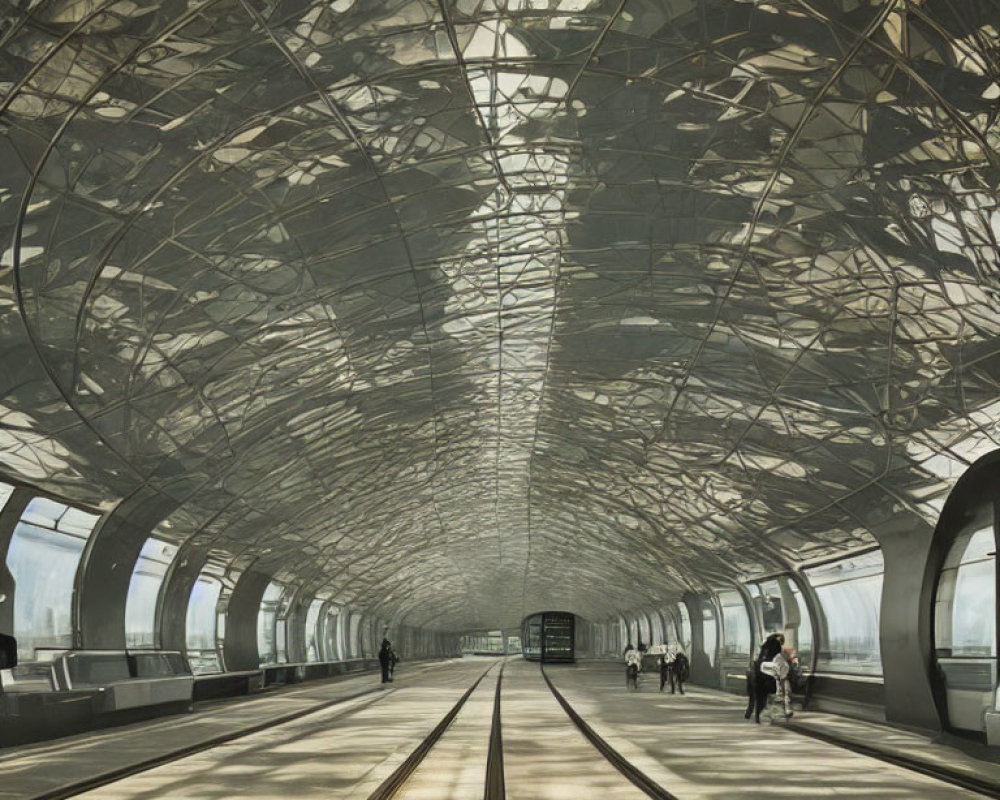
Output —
(78, 690)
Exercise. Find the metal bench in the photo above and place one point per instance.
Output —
(124, 680)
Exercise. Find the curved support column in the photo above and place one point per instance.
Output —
(240, 644)
(9, 517)
(295, 628)
(905, 629)
(702, 670)
(106, 571)
(171, 611)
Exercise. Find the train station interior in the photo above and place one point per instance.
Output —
(505, 334)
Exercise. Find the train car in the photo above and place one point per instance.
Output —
(549, 637)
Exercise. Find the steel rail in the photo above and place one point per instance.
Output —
(392, 785)
(622, 764)
(495, 788)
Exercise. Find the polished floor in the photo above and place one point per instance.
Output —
(696, 746)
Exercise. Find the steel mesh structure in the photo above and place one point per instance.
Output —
(460, 310)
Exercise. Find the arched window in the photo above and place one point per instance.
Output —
(685, 628)
(43, 557)
(735, 625)
(333, 633)
(709, 629)
(781, 607)
(312, 633)
(144, 591)
(267, 619)
(202, 624)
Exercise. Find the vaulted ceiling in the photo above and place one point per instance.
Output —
(465, 309)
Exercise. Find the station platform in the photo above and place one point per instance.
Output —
(352, 737)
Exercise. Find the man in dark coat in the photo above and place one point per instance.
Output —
(385, 660)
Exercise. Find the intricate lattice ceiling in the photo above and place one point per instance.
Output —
(461, 310)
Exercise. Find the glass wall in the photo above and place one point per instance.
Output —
(281, 624)
(624, 635)
(965, 627)
(684, 628)
(482, 642)
(671, 627)
(709, 630)
(781, 608)
(202, 625)
(43, 557)
(737, 638)
(799, 632)
(658, 634)
(312, 640)
(850, 596)
(144, 591)
(965, 609)
(267, 619)
(645, 633)
(354, 641)
(332, 637)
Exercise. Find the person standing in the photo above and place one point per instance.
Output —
(782, 668)
(763, 683)
(385, 660)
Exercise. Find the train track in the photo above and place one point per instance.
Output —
(494, 789)
(395, 786)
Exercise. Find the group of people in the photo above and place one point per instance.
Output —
(387, 660)
(772, 672)
(673, 663)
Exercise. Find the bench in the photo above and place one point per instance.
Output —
(124, 680)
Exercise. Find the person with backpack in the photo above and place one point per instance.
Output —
(681, 671)
(633, 665)
(780, 668)
(675, 667)
(666, 665)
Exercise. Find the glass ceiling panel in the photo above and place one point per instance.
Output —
(461, 310)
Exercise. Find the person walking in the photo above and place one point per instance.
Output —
(666, 664)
